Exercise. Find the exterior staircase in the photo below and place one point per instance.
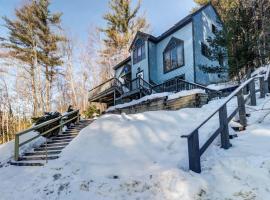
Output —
(50, 151)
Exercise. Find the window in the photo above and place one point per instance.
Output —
(173, 56)
(139, 51)
(205, 50)
(214, 29)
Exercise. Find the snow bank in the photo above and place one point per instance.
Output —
(222, 86)
(7, 149)
(170, 96)
(142, 156)
(185, 93)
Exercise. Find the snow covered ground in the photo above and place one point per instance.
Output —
(142, 156)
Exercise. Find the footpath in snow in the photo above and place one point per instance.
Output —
(143, 156)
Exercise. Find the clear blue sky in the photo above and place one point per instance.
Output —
(80, 15)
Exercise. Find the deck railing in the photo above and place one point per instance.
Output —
(177, 84)
(194, 150)
(113, 82)
(57, 123)
(138, 83)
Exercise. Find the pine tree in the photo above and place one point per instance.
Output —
(236, 43)
(122, 25)
(49, 43)
(22, 44)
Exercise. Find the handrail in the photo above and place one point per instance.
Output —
(101, 84)
(194, 149)
(237, 90)
(37, 127)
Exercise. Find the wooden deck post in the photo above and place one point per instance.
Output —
(242, 109)
(266, 87)
(78, 117)
(252, 93)
(61, 125)
(194, 152)
(17, 146)
(262, 88)
(223, 120)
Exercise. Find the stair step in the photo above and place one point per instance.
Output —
(22, 164)
(49, 148)
(38, 158)
(40, 153)
(71, 132)
(67, 135)
(61, 139)
(60, 144)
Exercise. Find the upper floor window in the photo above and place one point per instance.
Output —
(173, 55)
(139, 51)
(214, 29)
(205, 50)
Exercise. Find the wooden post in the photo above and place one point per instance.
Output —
(194, 152)
(78, 117)
(223, 120)
(252, 93)
(242, 109)
(266, 88)
(262, 89)
(114, 97)
(17, 146)
(61, 125)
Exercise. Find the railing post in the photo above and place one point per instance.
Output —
(223, 120)
(262, 89)
(194, 152)
(252, 93)
(266, 87)
(17, 146)
(61, 125)
(242, 109)
(78, 117)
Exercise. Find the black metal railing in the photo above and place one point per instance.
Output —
(178, 84)
(113, 82)
(138, 84)
(194, 150)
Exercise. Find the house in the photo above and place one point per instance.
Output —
(169, 62)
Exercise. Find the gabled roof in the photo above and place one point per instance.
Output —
(143, 35)
(128, 59)
(173, 29)
(170, 31)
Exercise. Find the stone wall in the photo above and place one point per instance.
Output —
(190, 101)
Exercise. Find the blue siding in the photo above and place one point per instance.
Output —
(143, 65)
(192, 33)
(202, 23)
(152, 61)
(184, 34)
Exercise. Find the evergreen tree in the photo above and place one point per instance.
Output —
(122, 25)
(22, 44)
(241, 39)
(48, 43)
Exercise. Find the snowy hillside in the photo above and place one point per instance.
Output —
(142, 156)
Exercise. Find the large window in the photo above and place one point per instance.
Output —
(139, 51)
(173, 56)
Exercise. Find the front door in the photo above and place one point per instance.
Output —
(140, 74)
